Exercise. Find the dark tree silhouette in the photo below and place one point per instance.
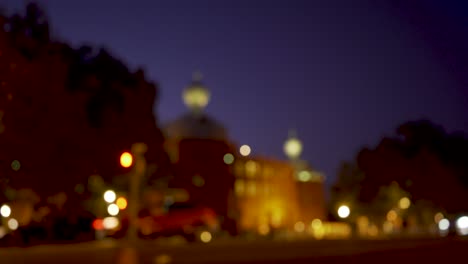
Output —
(68, 113)
(424, 160)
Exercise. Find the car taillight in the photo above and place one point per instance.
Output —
(98, 224)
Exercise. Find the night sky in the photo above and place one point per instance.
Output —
(342, 73)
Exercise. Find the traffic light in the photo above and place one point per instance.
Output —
(126, 160)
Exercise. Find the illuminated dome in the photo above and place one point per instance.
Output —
(293, 146)
(196, 124)
(196, 97)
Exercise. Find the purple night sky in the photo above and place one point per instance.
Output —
(342, 73)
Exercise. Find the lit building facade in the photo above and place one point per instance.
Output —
(260, 194)
(266, 194)
(196, 144)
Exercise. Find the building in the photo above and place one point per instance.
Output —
(309, 182)
(196, 144)
(259, 193)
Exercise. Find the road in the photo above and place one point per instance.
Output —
(234, 251)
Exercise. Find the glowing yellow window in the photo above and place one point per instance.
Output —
(239, 187)
(251, 188)
(250, 168)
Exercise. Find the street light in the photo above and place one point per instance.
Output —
(343, 211)
(245, 150)
(404, 203)
(113, 209)
(5, 211)
(110, 196)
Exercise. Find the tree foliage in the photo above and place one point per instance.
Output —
(424, 160)
(67, 113)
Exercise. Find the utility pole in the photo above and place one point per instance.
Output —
(129, 254)
(138, 171)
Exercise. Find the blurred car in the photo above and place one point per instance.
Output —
(181, 219)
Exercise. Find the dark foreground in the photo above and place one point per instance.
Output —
(343, 252)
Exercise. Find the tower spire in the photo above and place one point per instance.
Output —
(196, 96)
(197, 76)
(293, 146)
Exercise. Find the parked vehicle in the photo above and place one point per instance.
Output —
(181, 219)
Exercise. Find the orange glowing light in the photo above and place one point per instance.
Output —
(126, 159)
(98, 224)
(121, 203)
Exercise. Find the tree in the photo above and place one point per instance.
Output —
(68, 113)
(424, 160)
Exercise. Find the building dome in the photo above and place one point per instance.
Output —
(196, 96)
(293, 146)
(196, 126)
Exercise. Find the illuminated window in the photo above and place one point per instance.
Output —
(251, 188)
(267, 172)
(250, 168)
(266, 188)
(239, 187)
(239, 168)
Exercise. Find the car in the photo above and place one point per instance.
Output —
(180, 219)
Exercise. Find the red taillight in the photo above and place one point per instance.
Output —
(97, 224)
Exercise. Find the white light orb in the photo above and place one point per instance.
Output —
(12, 224)
(110, 222)
(293, 148)
(462, 222)
(113, 209)
(343, 211)
(5, 210)
(444, 224)
(245, 150)
(110, 196)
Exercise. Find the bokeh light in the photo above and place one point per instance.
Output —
(404, 203)
(245, 150)
(444, 224)
(113, 209)
(299, 226)
(126, 159)
(228, 158)
(121, 203)
(206, 237)
(5, 210)
(110, 196)
(12, 224)
(343, 211)
(110, 222)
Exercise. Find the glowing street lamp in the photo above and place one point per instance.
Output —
(110, 196)
(343, 211)
(245, 150)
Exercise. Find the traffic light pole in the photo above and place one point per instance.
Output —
(139, 169)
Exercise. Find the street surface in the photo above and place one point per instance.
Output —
(445, 250)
